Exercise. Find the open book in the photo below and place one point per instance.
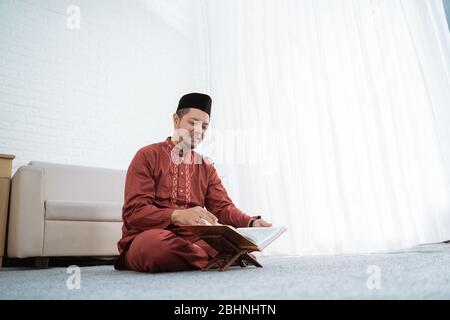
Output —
(261, 236)
(254, 238)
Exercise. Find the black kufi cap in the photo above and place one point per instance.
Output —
(196, 100)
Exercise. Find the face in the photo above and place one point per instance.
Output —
(195, 124)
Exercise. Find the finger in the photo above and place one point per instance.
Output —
(261, 223)
(211, 215)
(201, 220)
(197, 218)
(266, 224)
(208, 218)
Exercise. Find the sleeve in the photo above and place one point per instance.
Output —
(139, 212)
(219, 203)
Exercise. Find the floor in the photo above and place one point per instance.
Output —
(422, 272)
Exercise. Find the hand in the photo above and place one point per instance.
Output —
(193, 216)
(261, 223)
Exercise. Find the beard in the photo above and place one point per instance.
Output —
(193, 142)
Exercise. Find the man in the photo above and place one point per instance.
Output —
(169, 185)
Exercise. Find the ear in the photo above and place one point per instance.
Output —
(176, 120)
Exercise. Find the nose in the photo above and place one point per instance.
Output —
(198, 132)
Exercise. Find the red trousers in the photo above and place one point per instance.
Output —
(163, 250)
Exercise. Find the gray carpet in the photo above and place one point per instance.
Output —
(422, 272)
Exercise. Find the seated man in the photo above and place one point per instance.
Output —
(169, 185)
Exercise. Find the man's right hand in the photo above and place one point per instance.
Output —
(192, 216)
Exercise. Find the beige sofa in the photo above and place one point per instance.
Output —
(64, 210)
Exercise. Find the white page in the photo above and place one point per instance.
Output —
(261, 236)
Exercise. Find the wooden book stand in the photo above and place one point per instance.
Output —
(228, 254)
(232, 247)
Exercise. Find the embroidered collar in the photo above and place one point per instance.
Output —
(170, 146)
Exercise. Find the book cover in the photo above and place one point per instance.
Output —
(254, 238)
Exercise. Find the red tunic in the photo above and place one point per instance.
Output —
(156, 186)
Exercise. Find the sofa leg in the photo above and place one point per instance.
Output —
(1, 262)
(41, 262)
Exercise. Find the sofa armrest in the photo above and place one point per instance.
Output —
(27, 213)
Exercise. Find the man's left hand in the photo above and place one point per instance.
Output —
(261, 223)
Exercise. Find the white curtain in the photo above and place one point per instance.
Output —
(332, 117)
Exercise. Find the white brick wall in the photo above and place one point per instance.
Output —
(93, 96)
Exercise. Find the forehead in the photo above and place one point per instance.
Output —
(196, 114)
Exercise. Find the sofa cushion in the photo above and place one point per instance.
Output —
(80, 183)
(83, 210)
